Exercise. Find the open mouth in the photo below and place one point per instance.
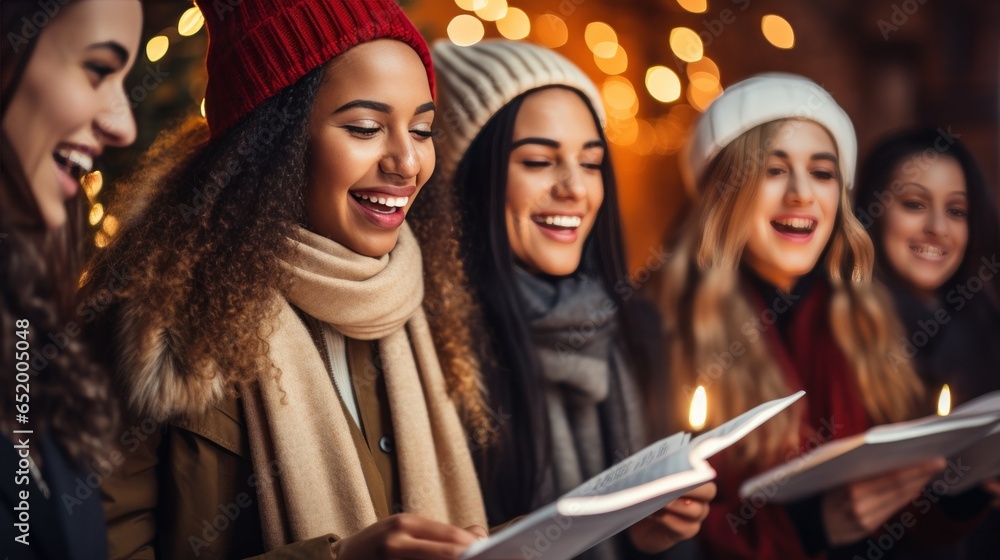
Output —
(381, 203)
(799, 227)
(928, 251)
(557, 222)
(73, 162)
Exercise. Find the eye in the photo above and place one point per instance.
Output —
(913, 205)
(361, 131)
(775, 171)
(824, 175)
(422, 134)
(536, 164)
(591, 166)
(958, 212)
(98, 71)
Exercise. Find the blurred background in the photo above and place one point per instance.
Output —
(658, 64)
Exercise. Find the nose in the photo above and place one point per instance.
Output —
(115, 125)
(569, 183)
(936, 224)
(797, 190)
(400, 158)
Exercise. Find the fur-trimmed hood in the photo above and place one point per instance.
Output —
(150, 372)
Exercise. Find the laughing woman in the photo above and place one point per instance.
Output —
(524, 164)
(768, 292)
(63, 103)
(280, 379)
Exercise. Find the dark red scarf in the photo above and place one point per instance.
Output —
(802, 343)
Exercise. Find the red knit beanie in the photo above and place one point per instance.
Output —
(259, 47)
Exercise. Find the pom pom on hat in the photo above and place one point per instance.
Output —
(475, 82)
(763, 99)
(259, 47)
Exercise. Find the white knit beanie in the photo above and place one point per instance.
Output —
(475, 82)
(763, 99)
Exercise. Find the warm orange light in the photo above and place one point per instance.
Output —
(686, 44)
(191, 22)
(465, 30)
(694, 6)
(157, 47)
(493, 10)
(601, 38)
(663, 84)
(92, 184)
(515, 25)
(699, 409)
(615, 64)
(550, 31)
(778, 31)
(704, 64)
(471, 5)
(96, 213)
(944, 401)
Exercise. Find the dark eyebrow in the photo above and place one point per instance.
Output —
(594, 144)
(114, 47)
(534, 140)
(820, 156)
(365, 104)
(429, 106)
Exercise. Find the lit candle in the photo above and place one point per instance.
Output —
(699, 409)
(944, 401)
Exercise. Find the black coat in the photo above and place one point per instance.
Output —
(67, 525)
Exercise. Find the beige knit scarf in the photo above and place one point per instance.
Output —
(309, 476)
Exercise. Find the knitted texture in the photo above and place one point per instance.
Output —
(477, 81)
(260, 47)
(762, 99)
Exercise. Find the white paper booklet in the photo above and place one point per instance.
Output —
(969, 436)
(622, 495)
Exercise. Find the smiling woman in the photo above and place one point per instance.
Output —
(63, 103)
(769, 291)
(273, 319)
(536, 271)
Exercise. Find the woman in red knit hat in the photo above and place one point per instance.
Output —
(283, 394)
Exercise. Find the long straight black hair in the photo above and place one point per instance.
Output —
(875, 180)
(510, 470)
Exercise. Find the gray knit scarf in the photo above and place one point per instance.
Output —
(573, 325)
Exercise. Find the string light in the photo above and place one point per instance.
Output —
(616, 64)
(694, 6)
(515, 25)
(686, 44)
(493, 10)
(550, 31)
(778, 31)
(157, 47)
(663, 84)
(191, 22)
(465, 30)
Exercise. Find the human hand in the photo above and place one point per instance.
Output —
(409, 537)
(858, 509)
(677, 521)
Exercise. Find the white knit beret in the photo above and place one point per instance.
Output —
(475, 82)
(762, 99)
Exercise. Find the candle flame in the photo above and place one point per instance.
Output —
(699, 409)
(944, 401)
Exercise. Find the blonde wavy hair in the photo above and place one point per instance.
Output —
(704, 308)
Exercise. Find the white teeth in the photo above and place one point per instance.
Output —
(797, 223)
(563, 221)
(929, 250)
(77, 158)
(390, 201)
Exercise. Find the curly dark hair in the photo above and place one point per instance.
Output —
(206, 223)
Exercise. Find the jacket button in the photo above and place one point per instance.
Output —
(385, 444)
